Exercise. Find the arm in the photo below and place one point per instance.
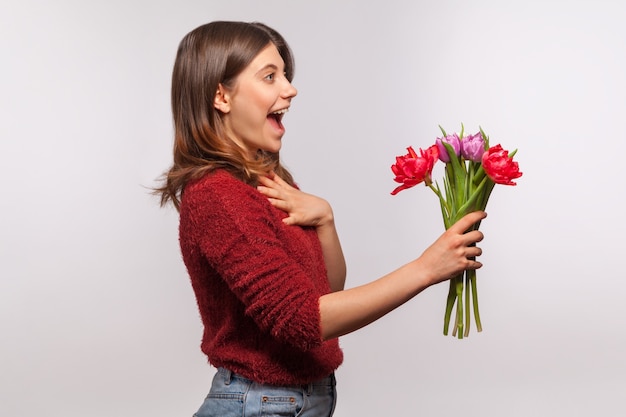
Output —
(308, 210)
(267, 271)
(333, 255)
(346, 311)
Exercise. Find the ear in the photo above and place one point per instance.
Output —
(222, 100)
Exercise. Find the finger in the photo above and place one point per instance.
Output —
(289, 221)
(267, 181)
(474, 265)
(468, 221)
(282, 183)
(279, 180)
(266, 191)
(473, 237)
(279, 204)
(473, 252)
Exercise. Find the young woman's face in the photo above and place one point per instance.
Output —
(254, 107)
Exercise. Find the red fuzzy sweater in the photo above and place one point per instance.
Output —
(257, 283)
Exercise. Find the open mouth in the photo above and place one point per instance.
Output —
(277, 117)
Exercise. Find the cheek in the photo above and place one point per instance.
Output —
(256, 107)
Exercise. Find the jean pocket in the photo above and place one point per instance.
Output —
(278, 406)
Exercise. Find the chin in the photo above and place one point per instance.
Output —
(274, 148)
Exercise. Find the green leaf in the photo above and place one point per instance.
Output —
(458, 172)
(469, 206)
(485, 138)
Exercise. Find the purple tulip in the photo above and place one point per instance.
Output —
(473, 147)
(452, 140)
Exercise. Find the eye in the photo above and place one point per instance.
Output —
(270, 77)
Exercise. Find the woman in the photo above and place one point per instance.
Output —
(264, 258)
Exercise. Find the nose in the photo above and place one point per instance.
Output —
(288, 91)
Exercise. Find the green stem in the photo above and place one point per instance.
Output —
(479, 326)
(455, 326)
(459, 306)
(479, 173)
(467, 304)
(477, 196)
(449, 305)
(445, 208)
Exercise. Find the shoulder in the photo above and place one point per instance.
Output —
(221, 191)
(216, 181)
(218, 186)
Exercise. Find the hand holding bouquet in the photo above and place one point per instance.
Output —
(472, 170)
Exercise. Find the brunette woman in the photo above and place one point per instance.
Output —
(264, 258)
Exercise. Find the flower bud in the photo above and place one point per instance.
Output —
(473, 147)
(412, 168)
(500, 167)
(452, 140)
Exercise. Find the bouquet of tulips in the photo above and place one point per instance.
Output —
(472, 170)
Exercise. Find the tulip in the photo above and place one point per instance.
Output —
(499, 166)
(452, 140)
(473, 147)
(412, 169)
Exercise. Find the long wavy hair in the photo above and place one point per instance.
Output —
(212, 54)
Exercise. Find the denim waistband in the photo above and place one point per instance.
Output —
(328, 381)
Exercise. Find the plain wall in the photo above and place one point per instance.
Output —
(97, 316)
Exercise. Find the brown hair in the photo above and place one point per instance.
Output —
(212, 54)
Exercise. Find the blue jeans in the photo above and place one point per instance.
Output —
(232, 395)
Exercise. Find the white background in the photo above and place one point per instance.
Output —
(97, 316)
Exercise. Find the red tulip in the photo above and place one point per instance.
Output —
(412, 169)
(499, 166)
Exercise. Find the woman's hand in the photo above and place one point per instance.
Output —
(303, 209)
(455, 250)
(308, 210)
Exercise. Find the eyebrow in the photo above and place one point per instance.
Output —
(266, 67)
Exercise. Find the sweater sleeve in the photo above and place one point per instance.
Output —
(239, 234)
